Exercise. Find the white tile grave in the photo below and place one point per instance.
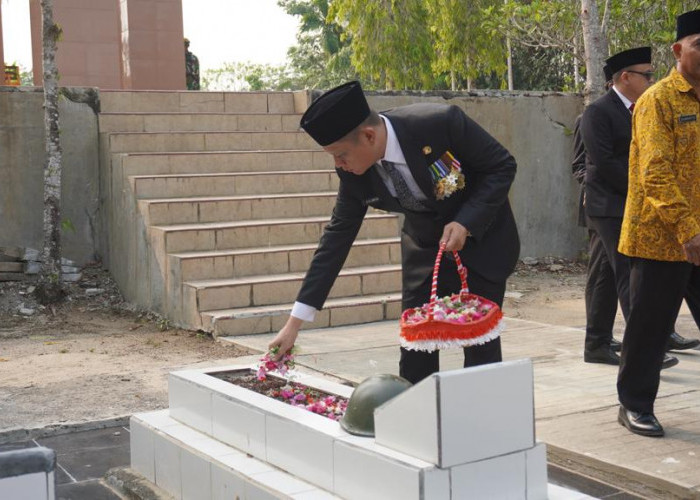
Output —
(466, 433)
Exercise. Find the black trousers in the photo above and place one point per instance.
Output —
(600, 295)
(657, 289)
(608, 229)
(417, 365)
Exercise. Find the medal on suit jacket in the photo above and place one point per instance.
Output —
(447, 176)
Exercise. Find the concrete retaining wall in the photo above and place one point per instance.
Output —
(536, 127)
(22, 158)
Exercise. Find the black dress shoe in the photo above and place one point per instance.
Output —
(679, 343)
(615, 345)
(669, 361)
(642, 423)
(603, 354)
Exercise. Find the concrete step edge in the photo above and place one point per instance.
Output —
(277, 309)
(223, 151)
(245, 197)
(270, 278)
(217, 132)
(193, 113)
(231, 174)
(203, 226)
(281, 248)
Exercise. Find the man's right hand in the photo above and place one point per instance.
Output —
(692, 250)
(286, 337)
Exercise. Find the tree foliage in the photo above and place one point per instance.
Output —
(465, 45)
(390, 41)
(249, 76)
(552, 29)
(438, 44)
(321, 58)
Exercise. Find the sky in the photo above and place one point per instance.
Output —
(219, 31)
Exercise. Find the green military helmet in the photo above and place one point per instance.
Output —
(372, 392)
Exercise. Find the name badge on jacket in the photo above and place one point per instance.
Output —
(688, 118)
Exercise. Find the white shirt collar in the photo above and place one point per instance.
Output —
(393, 151)
(622, 97)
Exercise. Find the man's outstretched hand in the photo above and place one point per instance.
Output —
(454, 236)
(286, 337)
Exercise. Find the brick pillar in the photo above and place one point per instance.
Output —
(115, 44)
(153, 53)
(89, 53)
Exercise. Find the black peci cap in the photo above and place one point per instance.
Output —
(606, 72)
(687, 24)
(627, 58)
(335, 113)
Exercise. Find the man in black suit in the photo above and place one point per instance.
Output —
(448, 176)
(606, 127)
(601, 294)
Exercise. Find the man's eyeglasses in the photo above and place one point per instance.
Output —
(649, 75)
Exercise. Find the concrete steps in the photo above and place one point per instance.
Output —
(218, 203)
(129, 142)
(213, 264)
(269, 232)
(232, 208)
(265, 290)
(213, 162)
(336, 312)
(221, 184)
(200, 122)
(126, 101)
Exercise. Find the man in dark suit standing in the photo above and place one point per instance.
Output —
(606, 127)
(601, 293)
(448, 176)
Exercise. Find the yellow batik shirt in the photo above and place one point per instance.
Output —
(662, 211)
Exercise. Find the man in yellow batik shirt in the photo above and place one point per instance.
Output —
(661, 224)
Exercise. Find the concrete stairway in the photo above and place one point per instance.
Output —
(216, 202)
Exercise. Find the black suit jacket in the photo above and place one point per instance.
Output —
(482, 206)
(606, 127)
(578, 169)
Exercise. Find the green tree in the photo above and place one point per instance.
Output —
(546, 35)
(466, 47)
(635, 23)
(552, 31)
(391, 43)
(248, 76)
(321, 58)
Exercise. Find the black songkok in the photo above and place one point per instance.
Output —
(627, 58)
(335, 113)
(687, 24)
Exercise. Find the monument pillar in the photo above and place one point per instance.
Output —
(115, 44)
(153, 53)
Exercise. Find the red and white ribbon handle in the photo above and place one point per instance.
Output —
(460, 269)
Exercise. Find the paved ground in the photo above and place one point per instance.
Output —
(576, 402)
(84, 457)
(575, 413)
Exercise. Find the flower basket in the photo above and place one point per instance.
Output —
(459, 320)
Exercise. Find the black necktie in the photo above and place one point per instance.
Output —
(406, 199)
